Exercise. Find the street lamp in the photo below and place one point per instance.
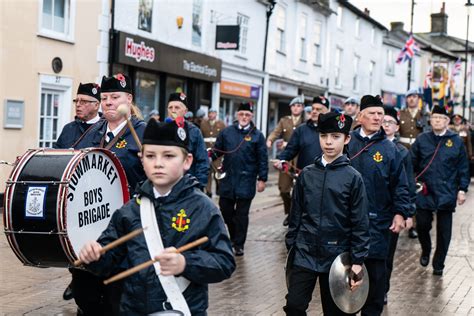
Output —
(464, 101)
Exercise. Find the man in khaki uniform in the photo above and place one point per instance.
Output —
(284, 130)
(210, 128)
(411, 119)
(411, 124)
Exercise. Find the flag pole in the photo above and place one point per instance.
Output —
(411, 33)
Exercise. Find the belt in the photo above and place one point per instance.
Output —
(210, 139)
(407, 140)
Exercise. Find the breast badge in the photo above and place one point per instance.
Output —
(180, 222)
(449, 143)
(378, 157)
(121, 143)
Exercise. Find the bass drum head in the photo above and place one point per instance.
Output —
(97, 188)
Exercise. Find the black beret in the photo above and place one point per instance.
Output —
(334, 123)
(170, 133)
(180, 97)
(439, 110)
(90, 89)
(391, 111)
(369, 100)
(245, 106)
(117, 83)
(322, 100)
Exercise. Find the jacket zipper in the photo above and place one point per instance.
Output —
(321, 207)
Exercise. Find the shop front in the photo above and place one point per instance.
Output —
(234, 93)
(158, 69)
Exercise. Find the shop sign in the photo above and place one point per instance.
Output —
(240, 89)
(227, 37)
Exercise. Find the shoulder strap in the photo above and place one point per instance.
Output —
(429, 163)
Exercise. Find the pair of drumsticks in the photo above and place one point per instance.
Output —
(145, 264)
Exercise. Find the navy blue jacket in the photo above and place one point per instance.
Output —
(245, 164)
(197, 147)
(126, 149)
(408, 165)
(386, 184)
(71, 132)
(304, 143)
(328, 216)
(209, 263)
(448, 173)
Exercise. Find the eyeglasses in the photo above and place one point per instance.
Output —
(82, 102)
(244, 114)
(389, 122)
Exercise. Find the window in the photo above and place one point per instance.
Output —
(390, 66)
(355, 77)
(337, 67)
(372, 35)
(303, 22)
(243, 21)
(197, 23)
(57, 19)
(146, 92)
(371, 75)
(357, 28)
(281, 24)
(54, 107)
(317, 42)
(339, 17)
(413, 67)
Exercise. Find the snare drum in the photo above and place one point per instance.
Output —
(57, 200)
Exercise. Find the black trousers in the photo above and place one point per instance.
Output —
(377, 277)
(92, 296)
(300, 290)
(236, 217)
(444, 225)
(392, 246)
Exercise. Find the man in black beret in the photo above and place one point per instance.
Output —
(381, 166)
(391, 125)
(246, 166)
(178, 107)
(441, 164)
(87, 104)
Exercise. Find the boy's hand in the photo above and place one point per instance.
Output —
(260, 186)
(409, 223)
(90, 252)
(398, 224)
(356, 269)
(461, 197)
(171, 262)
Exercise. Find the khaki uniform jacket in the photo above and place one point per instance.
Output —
(210, 132)
(285, 128)
(408, 127)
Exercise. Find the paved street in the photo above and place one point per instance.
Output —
(258, 287)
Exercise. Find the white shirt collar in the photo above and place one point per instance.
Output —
(364, 135)
(244, 128)
(442, 133)
(324, 161)
(94, 120)
(391, 138)
(115, 131)
(157, 194)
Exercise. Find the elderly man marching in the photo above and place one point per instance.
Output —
(381, 166)
(210, 128)
(441, 164)
(284, 130)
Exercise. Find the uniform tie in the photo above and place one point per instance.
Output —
(111, 136)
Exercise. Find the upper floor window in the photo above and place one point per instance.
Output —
(371, 75)
(390, 66)
(57, 19)
(303, 22)
(372, 36)
(357, 27)
(281, 26)
(317, 42)
(337, 67)
(243, 21)
(355, 77)
(339, 17)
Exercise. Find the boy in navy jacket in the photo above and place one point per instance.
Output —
(328, 217)
(183, 214)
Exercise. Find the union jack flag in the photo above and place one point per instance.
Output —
(456, 68)
(428, 78)
(408, 51)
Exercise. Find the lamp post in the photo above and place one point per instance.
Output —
(464, 101)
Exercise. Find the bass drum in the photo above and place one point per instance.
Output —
(56, 200)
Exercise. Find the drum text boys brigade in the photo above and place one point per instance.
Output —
(173, 196)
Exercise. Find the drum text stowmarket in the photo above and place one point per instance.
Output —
(91, 162)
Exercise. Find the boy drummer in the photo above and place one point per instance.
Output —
(171, 195)
(322, 228)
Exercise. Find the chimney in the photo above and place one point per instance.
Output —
(396, 26)
(366, 11)
(439, 21)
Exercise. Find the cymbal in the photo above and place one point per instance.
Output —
(348, 301)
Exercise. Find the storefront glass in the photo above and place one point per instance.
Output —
(146, 92)
(174, 84)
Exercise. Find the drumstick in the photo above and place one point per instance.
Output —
(116, 243)
(122, 109)
(150, 262)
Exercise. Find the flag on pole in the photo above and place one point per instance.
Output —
(428, 78)
(408, 51)
(456, 68)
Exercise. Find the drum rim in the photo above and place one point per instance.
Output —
(61, 214)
